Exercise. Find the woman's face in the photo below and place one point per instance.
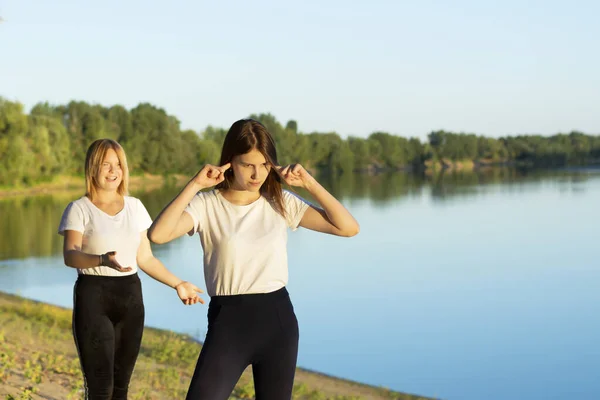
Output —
(110, 174)
(250, 171)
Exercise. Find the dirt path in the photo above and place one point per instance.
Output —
(38, 360)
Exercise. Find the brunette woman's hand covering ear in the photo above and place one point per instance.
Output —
(295, 175)
(211, 175)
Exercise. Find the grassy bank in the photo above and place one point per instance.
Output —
(38, 360)
(68, 184)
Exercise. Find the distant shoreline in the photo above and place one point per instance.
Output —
(70, 184)
(163, 369)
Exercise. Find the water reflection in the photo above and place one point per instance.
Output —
(386, 189)
(29, 224)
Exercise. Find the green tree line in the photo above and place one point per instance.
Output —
(52, 140)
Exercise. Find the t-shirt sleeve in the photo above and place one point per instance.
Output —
(295, 207)
(143, 217)
(72, 219)
(196, 209)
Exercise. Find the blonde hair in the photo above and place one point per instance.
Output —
(93, 162)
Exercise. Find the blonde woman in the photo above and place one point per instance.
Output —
(105, 240)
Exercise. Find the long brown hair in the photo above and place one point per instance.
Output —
(246, 135)
(93, 161)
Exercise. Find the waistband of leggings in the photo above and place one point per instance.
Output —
(253, 298)
(109, 278)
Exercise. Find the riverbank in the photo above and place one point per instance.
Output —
(38, 360)
(72, 184)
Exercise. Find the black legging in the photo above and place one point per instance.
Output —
(108, 322)
(257, 329)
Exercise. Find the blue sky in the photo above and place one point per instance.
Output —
(486, 67)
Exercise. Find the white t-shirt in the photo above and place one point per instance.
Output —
(245, 246)
(103, 232)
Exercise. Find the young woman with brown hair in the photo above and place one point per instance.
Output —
(242, 225)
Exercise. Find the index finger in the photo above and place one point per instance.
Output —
(279, 170)
(197, 289)
(225, 167)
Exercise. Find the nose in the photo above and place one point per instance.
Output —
(257, 173)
